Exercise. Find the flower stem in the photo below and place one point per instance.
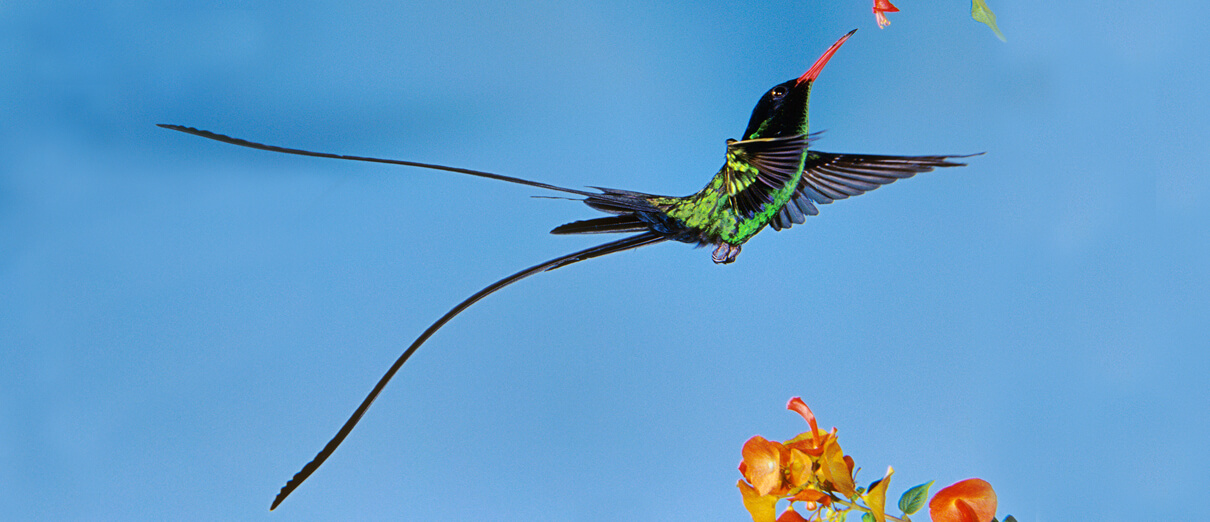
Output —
(859, 507)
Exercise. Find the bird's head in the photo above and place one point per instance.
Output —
(782, 111)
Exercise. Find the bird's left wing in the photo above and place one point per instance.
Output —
(827, 177)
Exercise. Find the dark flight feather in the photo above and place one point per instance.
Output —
(828, 176)
(604, 225)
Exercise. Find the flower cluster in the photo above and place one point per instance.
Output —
(812, 469)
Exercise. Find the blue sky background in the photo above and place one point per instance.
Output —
(183, 323)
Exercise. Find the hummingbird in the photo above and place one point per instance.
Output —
(770, 178)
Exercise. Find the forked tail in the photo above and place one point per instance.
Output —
(628, 243)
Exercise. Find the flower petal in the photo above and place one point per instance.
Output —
(971, 500)
(798, 468)
(810, 495)
(763, 508)
(836, 470)
(796, 404)
(876, 496)
(789, 515)
(886, 6)
(762, 464)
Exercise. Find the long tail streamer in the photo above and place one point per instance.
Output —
(274, 148)
(646, 238)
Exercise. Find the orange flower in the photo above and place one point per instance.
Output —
(971, 500)
(880, 7)
(834, 467)
(808, 468)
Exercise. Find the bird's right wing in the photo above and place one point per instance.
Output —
(758, 168)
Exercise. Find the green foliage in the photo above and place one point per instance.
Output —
(913, 499)
(982, 13)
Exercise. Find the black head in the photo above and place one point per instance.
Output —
(782, 111)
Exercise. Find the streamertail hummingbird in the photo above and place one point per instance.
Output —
(770, 178)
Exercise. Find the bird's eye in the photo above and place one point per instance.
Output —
(777, 92)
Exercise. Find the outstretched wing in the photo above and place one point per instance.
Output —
(827, 177)
(757, 169)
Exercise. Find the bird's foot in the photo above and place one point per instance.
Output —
(725, 253)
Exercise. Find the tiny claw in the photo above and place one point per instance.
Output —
(725, 253)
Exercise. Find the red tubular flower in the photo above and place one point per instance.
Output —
(796, 404)
(880, 7)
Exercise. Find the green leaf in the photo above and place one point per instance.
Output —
(913, 499)
(866, 517)
(1010, 519)
(980, 12)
